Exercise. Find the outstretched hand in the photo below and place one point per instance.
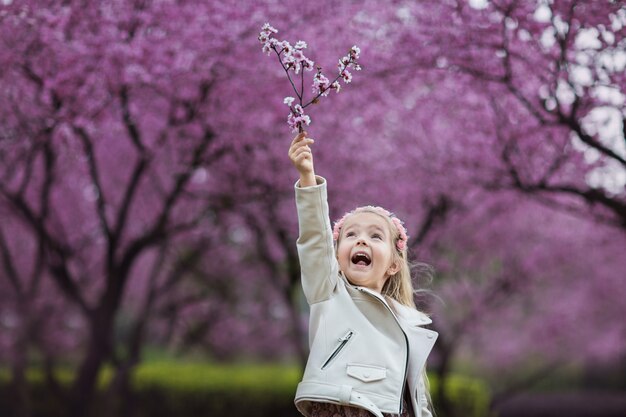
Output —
(301, 156)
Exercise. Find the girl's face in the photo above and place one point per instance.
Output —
(365, 250)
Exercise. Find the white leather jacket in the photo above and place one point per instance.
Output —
(365, 349)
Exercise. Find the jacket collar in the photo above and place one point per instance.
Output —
(405, 313)
(410, 315)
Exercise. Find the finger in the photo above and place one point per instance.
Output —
(301, 159)
(302, 149)
(295, 149)
(299, 137)
(304, 142)
(298, 145)
(301, 155)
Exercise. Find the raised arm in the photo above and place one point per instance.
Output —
(318, 263)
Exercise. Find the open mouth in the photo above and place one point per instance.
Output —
(361, 258)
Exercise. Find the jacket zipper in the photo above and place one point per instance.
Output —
(406, 341)
(342, 343)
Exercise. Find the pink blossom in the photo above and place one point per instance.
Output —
(286, 47)
(307, 64)
(321, 84)
(296, 122)
(267, 28)
(297, 119)
(298, 55)
(300, 61)
(347, 76)
(355, 52)
(265, 37)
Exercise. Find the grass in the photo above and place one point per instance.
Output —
(217, 377)
(182, 387)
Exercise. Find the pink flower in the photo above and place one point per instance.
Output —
(298, 59)
(298, 55)
(297, 119)
(296, 122)
(286, 47)
(267, 28)
(307, 64)
(355, 52)
(347, 77)
(402, 238)
(295, 58)
(321, 84)
(265, 37)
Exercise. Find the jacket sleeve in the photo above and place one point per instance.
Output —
(316, 251)
(423, 398)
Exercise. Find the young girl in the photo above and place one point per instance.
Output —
(367, 347)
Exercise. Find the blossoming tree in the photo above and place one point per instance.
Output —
(141, 142)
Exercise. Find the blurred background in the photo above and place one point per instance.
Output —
(147, 219)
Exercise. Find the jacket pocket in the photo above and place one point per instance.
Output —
(343, 341)
(366, 373)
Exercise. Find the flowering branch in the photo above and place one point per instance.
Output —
(292, 58)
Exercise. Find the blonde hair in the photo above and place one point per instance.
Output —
(399, 286)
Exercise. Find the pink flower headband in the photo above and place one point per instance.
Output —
(402, 239)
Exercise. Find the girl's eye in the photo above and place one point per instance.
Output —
(349, 234)
(376, 236)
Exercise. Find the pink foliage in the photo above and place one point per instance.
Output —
(150, 125)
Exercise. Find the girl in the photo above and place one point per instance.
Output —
(367, 347)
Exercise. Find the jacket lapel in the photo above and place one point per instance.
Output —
(421, 340)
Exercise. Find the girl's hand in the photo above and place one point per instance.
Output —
(301, 156)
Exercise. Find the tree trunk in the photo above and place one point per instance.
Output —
(19, 385)
(98, 351)
(120, 399)
(298, 333)
(443, 402)
(120, 393)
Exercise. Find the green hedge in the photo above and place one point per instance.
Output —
(188, 389)
(469, 396)
(181, 389)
